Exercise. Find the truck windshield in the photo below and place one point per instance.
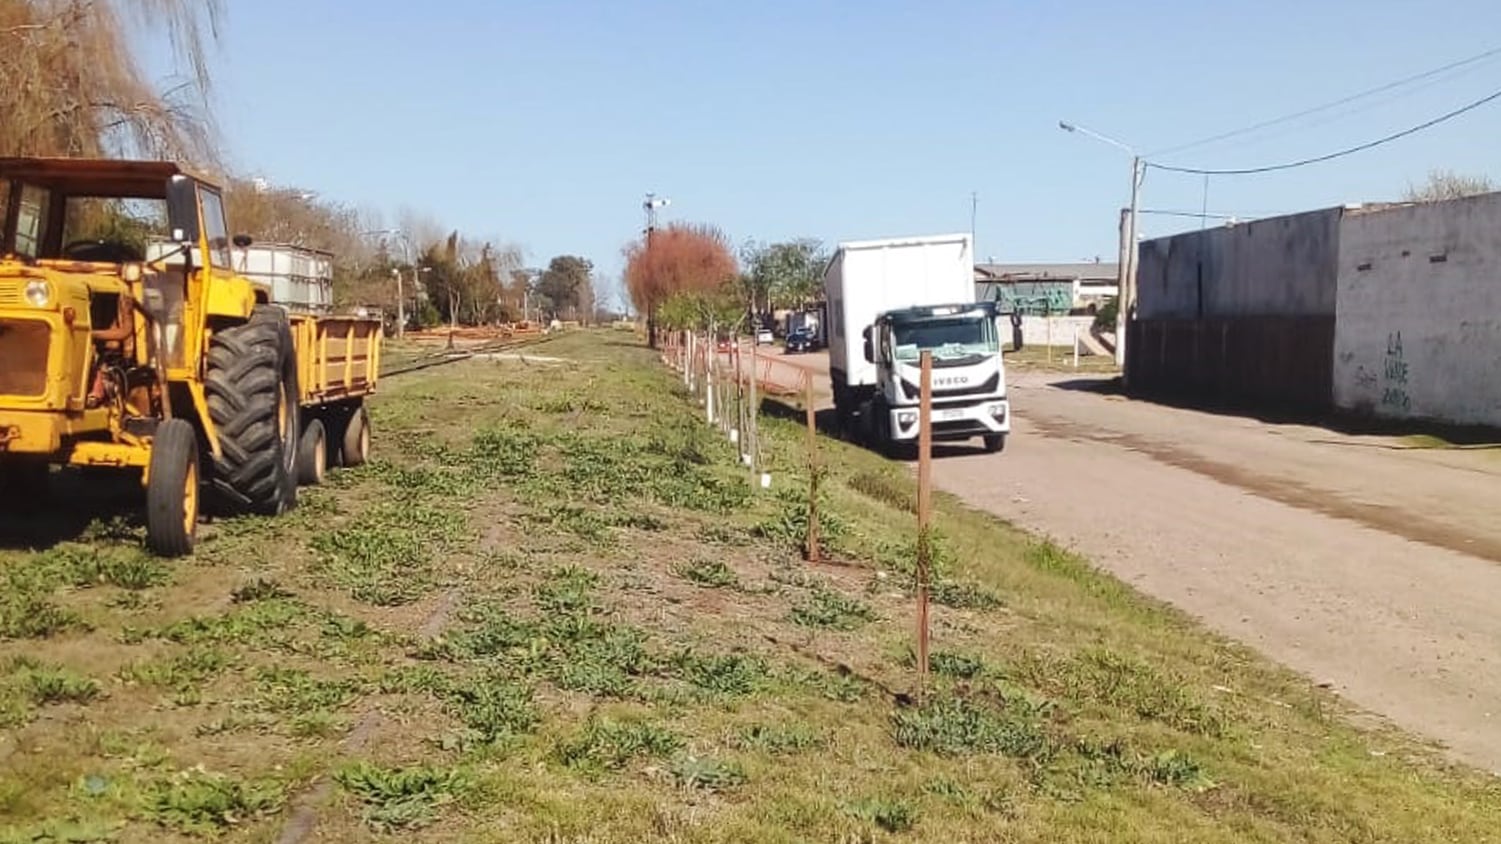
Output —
(950, 340)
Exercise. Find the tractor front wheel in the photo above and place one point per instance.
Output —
(172, 490)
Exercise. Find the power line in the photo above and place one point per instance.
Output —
(1336, 103)
(1246, 171)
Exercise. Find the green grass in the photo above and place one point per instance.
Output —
(558, 612)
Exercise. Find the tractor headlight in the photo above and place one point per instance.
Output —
(131, 272)
(39, 293)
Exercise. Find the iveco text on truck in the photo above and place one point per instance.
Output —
(890, 300)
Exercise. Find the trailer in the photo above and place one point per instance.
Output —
(339, 355)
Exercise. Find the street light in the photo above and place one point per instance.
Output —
(650, 206)
(406, 251)
(1126, 298)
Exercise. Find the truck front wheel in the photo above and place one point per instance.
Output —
(995, 443)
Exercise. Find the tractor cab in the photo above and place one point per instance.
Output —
(105, 268)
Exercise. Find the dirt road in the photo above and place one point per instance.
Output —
(1362, 562)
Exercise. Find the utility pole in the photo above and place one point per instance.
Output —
(650, 206)
(1125, 303)
(974, 209)
(1125, 299)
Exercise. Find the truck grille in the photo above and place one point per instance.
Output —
(23, 357)
(10, 293)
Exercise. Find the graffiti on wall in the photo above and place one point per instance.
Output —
(1394, 381)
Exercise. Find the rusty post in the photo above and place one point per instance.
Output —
(924, 518)
(811, 552)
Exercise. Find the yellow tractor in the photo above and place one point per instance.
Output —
(129, 341)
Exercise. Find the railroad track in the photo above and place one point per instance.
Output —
(445, 357)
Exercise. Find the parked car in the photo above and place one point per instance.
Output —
(764, 337)
(800, 340)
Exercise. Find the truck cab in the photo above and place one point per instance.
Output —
(968, 381)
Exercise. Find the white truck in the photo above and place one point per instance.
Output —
(890, 300)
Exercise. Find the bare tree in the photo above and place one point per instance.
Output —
(73, 84)
(1446, 184)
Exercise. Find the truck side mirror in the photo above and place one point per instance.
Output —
(1016, 331)
(870, 356)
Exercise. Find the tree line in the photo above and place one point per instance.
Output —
(687, 275)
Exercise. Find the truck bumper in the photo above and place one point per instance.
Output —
(954, 423)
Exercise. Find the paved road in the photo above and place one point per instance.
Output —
(1359, 561)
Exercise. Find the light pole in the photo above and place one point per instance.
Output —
(650, 206)
(1126, 298)
(406, 252)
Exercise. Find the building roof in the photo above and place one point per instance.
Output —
(1041, 272)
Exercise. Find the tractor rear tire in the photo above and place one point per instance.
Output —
(251, 384)
(355, 448)
(172, 490)
(312, 454)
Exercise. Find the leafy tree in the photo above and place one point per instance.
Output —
(1446, 184)
(569, 286)
(787, 274)
(681, 258)
(74, 85)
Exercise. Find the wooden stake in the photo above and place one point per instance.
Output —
(924, 519)
(811, 552)
(753, 412)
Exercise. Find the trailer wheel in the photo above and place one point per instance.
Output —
(312, 454)
(172, 490)
(995, 443)
(251, 382)
(356, 445)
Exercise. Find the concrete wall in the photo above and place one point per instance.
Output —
(1284, 266)
(1418, 328)
(1035, 330)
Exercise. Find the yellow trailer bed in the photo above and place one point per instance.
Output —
(338, 357)
(338, 361)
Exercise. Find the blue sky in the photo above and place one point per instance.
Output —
(545, 123)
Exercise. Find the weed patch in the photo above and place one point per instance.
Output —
(778, 739)
(955, 725)
(604, 745)
(895, 816)
(707, 774)
(402, 798)
(711, 573)
(384, 557)
(200, 802)
(831, 610)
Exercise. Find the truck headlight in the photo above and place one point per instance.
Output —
(998, 411)
(39, 293)
(906, 417)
